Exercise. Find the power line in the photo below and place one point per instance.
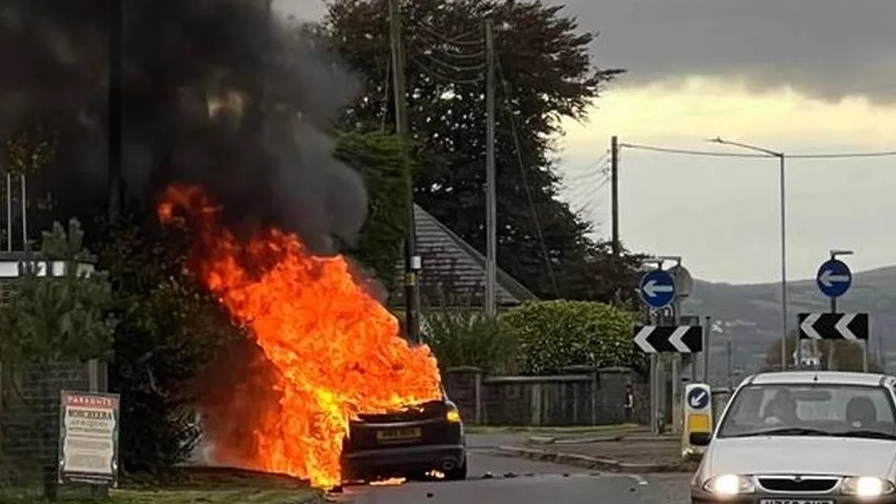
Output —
(602, 160)
(846, 155)
(588, 176)
(690, 152)
(455, 40)
(590, 193)
(448, 49)
(457, 68)
(439, 76)
(694, 152)
(519, 158)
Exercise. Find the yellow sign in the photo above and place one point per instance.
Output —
(699, 422)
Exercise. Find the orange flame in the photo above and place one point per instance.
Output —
(334, 350)
(388, 482)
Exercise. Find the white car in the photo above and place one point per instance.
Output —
(802, 437)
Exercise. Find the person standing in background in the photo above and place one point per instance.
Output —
(629, 402)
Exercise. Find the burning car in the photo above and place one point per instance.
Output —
(409, 443)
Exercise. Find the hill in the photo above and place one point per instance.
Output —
(749, 316)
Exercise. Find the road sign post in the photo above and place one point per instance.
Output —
(657, 289)
(662, 291)
(669, 339)
(837, 326)
(834, 279)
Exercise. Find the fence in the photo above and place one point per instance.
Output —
(582, 395)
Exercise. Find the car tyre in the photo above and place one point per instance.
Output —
(458, 473)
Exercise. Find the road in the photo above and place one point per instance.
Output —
(518, 481)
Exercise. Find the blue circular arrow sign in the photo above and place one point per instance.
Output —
(657, 289)
(834, 278)
(698, 398)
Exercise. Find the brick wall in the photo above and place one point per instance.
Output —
(29, 418)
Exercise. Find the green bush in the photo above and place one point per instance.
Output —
(169, 331)
(556, 334)
(464, 338)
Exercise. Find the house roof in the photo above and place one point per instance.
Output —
(453, 269)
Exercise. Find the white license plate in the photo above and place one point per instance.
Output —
(795, 501)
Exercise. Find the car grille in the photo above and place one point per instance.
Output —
(787, 484)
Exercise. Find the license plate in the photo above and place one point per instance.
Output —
(795, 501)
(408, 434)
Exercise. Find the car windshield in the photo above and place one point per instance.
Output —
(810, 410)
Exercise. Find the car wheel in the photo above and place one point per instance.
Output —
(458, 473)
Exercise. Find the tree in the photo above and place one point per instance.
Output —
(547, 75)
(839, 355)
(385, 165)
(169, 332)
(51, 319)
(556, 334)
(466, 337)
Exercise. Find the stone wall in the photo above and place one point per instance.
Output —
(580, 396)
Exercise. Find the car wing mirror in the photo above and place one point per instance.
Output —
(699, 438)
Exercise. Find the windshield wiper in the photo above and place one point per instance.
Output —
(787, 431)
(874, 434)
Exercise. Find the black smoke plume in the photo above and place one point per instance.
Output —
(219, 93)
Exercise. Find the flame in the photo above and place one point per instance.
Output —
(332, 349)
(388, 482)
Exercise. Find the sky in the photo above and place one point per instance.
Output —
(794, 76)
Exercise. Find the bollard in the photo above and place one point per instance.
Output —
(697, 412)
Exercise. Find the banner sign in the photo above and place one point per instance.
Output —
(88, 438)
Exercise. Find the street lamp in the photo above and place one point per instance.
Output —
(781, 157)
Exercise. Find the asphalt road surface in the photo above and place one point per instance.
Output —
(497, 479)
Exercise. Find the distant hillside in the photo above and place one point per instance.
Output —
(750, 315)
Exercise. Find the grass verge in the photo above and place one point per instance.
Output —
(195, 486)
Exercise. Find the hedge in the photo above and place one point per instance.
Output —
(556, 334)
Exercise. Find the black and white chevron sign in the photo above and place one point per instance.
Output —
(674, 339)
(849, 326)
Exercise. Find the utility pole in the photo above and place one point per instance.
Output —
(116, 35)
(707, 329)
(730, 366)
(491, 264)
(412, 261)
(614, 189)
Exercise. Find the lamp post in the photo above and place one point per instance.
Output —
(781, 157)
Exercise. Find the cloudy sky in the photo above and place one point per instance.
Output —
(799, 76)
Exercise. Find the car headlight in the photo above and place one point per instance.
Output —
(866, 486)
(729, 484)
(453, 415)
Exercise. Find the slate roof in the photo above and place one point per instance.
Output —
(453, 270)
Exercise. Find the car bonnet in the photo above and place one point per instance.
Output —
(802, 455)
